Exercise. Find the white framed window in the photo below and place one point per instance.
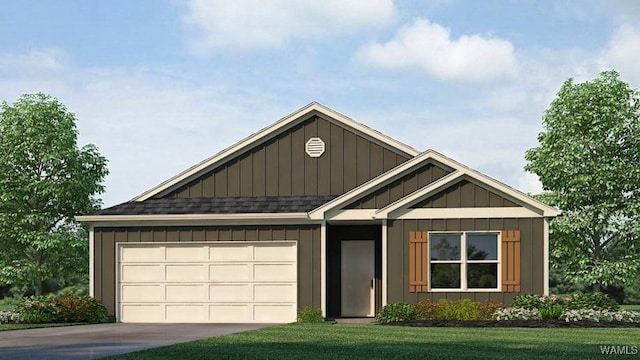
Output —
(464, 261)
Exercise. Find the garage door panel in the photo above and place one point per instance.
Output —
(230, 293)
(274, 313)
(231, 252)
(207, 282)
(186, 293)
(185, 313)
(275, 272)
(274, 292)
(141, 254)
(186, 272)
(275, 252)
(230, 272)
(186, 253)
(230, 313)
(142, 313)
(140, 293)
(142, 273)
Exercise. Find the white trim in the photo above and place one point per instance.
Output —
(269, 132)
(91, 262)
(384, 263)
(459, 170)
(464, 261)
(323, 268)
(197, 219)
(351, 214)
(380, 180)
(465, 213)
(545, 256)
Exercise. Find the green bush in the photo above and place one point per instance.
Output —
(593, 301)
(463, 309)
(310, 315)
(550, 311)
(68, 308)
(396, 312)
(528, 301)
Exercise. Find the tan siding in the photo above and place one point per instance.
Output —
(280, 166)
(532, 250)
(308, 238)
(465, 194)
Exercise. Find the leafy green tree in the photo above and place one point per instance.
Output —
(45, 180)
(588, 161)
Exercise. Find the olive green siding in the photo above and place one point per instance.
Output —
(281, 167)
(532, 256)
(402, 187)
(307, 236)
(465, 194)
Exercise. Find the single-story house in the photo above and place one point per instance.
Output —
(315, 210)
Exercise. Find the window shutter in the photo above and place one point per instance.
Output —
(511, 261)
(418, 261)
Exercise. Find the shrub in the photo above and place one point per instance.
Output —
(486, 309)
(9, 317)
(425, 309)
(68, 308)
(310, 315)
(595, 301)
(551, 311)
(396, 312)
(463, 309)
(527, 301)
(516, 313)
(601, 315)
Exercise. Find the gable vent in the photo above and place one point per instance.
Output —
(315, 147)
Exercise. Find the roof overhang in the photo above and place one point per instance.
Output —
(197, 219)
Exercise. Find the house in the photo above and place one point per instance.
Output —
(316, 210)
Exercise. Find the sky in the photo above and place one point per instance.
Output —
(159, 85)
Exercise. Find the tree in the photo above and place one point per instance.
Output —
(588, 161)
(45, 180)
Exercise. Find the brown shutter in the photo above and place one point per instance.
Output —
(418, 261)
(511, 261)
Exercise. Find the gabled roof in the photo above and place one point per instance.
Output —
(269, 132)
(460, 171)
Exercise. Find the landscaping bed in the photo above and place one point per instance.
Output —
(516, 323)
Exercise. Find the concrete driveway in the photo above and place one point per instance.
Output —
(95, 341)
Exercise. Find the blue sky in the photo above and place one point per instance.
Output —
(160, 85)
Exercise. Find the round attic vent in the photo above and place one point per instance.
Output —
(315, 147)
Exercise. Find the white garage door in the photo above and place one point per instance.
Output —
(239, 282)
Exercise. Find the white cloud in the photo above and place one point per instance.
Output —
(621, 53)
(429, 47)
(265, 24)
(35, 60)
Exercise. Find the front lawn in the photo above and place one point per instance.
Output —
(323, 341)
(7, 327)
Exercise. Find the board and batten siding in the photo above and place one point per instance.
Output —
(307, 237)
(402, 187)
(465, 194)
(281, 167)
(531, 259)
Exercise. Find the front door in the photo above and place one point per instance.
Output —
(358, 277)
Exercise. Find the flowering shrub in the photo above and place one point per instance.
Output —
(595, 300)
(601, 315)
(8, 317)
(516, 313)
(463, 309)
(68, 308)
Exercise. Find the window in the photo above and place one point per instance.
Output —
(463, 261)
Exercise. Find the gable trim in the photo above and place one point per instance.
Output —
(465, 213)
(462, 172)
(268, 132)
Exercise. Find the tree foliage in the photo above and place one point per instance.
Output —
(588, 161)
(45, 180)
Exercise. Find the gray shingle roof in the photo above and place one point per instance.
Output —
(231, 205)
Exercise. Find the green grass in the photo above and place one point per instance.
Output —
(321, 341)
(630, 307)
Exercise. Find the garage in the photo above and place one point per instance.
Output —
(217, 282)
